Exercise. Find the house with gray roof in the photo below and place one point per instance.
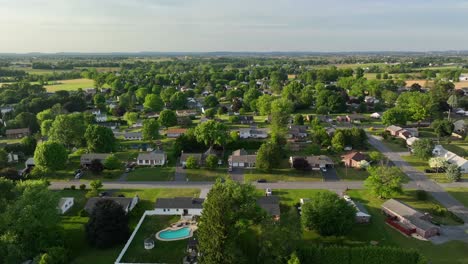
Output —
(133, 136)
(241, 159)
(153, 158)
(271, 205)
(183, 206)
(86, 159)
(409, 220)
(127, 203)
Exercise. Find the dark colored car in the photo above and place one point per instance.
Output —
(102, 194)
(261, 181)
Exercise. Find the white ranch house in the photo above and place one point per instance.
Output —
(183, 206)
(154, 158)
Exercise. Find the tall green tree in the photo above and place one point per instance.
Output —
(384, 182)
(395, 116)
(31, 223)
(268, 156)
(100, 139)
(423, 148)
(107, 225)
(228, 212)
(153, 103)
(167, 118)
(68, 130)
(150, 129)
(211, 133)
(328, 214)
(51, 155)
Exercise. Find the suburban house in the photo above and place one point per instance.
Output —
(354, 118)
(252, 133)
(6, 109)
(101, 118)
(187, 112)
(241, 159)
(459, 127)
(463, 77)
(271, 205)
(138, 124)
(17, 133)
(451, 158)
(410, 141)
(375, 115)
(330, 131)
(362, 215)
(90, 91)
(87, 159)
(297, 132)
(371, 100)
(245, 120)
(404, 133)
(153, 158)
(175, 132)
(184, 156)
(29, 163)
(354, 159)
(65, 203)
(133, 136)
(315, 162)
(127, 203)
(393, 130)
(408, 220)
(111, 125)
(95, 111)
(183, 206)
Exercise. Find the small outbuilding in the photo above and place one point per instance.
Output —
(149, 243)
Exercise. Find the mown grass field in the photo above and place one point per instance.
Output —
(70, 85)
(461, 194)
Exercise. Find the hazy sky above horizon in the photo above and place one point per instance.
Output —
(237, 25)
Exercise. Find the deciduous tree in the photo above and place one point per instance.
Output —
(51, 155)
(383, 181)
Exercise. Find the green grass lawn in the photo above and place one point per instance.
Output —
(351, 174)
(457, 147)
(152, 174)
(74, 225)
(395, 144)
(203, 174)
(377, 230)
(276, 175)
(461, 194)
(70, 85)
(163, 252)
(421, 165)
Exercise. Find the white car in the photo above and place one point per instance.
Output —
(268, 192)
(324, 169)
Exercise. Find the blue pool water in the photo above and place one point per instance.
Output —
(175, 234)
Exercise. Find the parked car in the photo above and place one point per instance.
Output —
(324, 169)
(440, 170)
(78, 175)
(261, 181)
(268, 192)
(347, 198)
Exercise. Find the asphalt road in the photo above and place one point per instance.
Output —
(421, 181)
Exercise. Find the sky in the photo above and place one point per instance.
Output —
(235, 25)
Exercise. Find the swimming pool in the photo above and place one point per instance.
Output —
(178, 234)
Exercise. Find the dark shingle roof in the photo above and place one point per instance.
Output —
(180, 203)
(91, 203)
(270, 204)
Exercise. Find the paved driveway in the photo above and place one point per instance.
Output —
(421, 181)
(180, 174)
(330, 175)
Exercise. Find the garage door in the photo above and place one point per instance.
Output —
(235, 164)
(241, 164)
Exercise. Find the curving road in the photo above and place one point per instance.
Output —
(421, 181)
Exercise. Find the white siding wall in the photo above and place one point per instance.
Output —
(172, 211)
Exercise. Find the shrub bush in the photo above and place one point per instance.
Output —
(82, 187)
(421, 195)
(73, 187)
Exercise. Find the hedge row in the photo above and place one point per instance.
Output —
(359, 255)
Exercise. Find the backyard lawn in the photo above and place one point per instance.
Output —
(163, 252)
(74, 224)
(152, 174)
(378, 231)
(277, 175)
(421, 165)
